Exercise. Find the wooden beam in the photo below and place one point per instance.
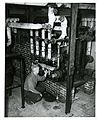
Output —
(85, 13)
(74, 12)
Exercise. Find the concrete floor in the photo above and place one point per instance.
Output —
(83, 106)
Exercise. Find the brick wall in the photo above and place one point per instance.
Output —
(22, 46)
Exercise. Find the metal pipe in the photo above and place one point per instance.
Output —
(37, 42)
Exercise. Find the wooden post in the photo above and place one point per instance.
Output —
(74, 11)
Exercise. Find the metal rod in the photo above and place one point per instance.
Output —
(22, 81)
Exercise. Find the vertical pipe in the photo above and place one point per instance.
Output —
(43, 34)
(31, 41)
(9, 36)
(58, 55)
(49, 34)
(37, 48)
(89, 45)
(86, 22)
(92, 20)
(49, 51)
(43, 44)
(40, 43)
(31, 33)
(49, 45)
(43, 49)
(37, 42)
(32, 45)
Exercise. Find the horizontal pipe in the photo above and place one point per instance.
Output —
(25, 25)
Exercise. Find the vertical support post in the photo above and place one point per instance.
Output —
(74, 11)
(6, 102)
(22, 65)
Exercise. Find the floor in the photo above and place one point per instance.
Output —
(83, 106)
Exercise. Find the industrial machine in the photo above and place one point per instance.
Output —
(52, 45)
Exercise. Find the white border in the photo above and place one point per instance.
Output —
(2, 55)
